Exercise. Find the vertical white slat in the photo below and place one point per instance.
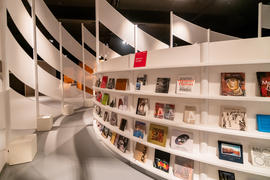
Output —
(171, 29)
(97, 31)
(61, 65)
(35, 57)
(135, 38)
(83, 58)
(208, 35)
(260, 19)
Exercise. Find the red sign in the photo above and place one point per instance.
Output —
(140, 59)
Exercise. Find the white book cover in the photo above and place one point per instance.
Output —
(189, 115)
(185, 84)
(260, 157)
(123, 103)
(182, 140)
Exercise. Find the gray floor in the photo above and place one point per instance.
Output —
(70, 151)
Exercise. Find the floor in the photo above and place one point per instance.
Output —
(70, 151)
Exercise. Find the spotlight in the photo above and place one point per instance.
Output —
(51, 40)
(124, 42)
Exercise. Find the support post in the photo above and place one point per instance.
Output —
(135, 38)
(208, 35)
(260, 20)
(83, 58)
(61, 65)
(171, 29)
(97, 31)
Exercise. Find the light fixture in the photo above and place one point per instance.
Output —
(124, 42)
(51, 40)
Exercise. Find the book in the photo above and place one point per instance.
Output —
(183, 168)
(162, 85)
(140, 59)
(122, 143)
(140, 153)
(123, 124)
(106, 116)
(105, 132)
(230, 151)
(98, 82)
(113, 102)
(223, 175)
(263, 122)
(264, 83)
(98, 96)
(123, 103)
(162, 160)
(142, 106)
(116, 139)
(113, 120)
(233, 84)
(105, 99)
(185, 84)
(169, 111)
(121, 84)
(182, 140)
(111, 83)
(98, 110)
(233, 118)
(104, 82)
(159, 111)
(139, 129)
(260, 156)
(157, 134)
(189, 115)
(113, 137)
(141, 81)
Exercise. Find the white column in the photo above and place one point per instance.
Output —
(97, 31)
(35, 56)
(260, 19)
(61, 65)
(135, 38)
(83, 58)
(208, 35)
(171, 29)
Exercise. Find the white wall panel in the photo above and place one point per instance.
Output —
(2, 159)
(90, 60)
(114, 64)
(2, 110)
(266, 16)
(215, 36)
(72, 70)
(237, 51)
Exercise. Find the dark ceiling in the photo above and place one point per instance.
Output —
(233, 17)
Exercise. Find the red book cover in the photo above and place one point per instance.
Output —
(104, 82)
(264, 83)
(140, 59)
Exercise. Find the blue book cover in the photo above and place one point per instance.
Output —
(263, 122)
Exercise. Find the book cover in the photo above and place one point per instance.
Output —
(169, 111)
(140, 59)
(230, 151)
(157, 134)
(142, 106)
(182, 140)
(123, 103)
(260, 157)
(106, 116)
(98, 96)
(189, 115)
(111, 83)
(140, 153)
(105, 132)
(223, 175)
(98, 82)
(98, 110)
(139, 129)
(233, 84)
(162, 85)
(104, 82)
(116, 139)
(121, 84)
(113, 120)
(113, 137)
(162, 160)
(264, 83)
(123, 124)
(185, 84)
(141, 81)
(105, 99)
(183, 168)
(122, 143)
(263, 122)
(234, 118)
(113, 102)
(159, 110)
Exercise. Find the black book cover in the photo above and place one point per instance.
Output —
(162, 160)
(123, 124)
(162, 85)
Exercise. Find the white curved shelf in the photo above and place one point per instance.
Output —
(204, 158)
(197, 127)
(203, 64)
(187, 96)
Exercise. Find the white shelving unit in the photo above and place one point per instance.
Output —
(205, 62)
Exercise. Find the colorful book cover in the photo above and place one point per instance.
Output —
(113, 120)
(183, 168)
(157, 134)
(234, 118)
(140, 153)
(104, 82)
(162, 85)
(185, 84)
(123, 103)
(260, 156)
(189, 115)
(111, 83)
(169, 111)
(182, 140)
(162, 160)
(233, 84)
(264, 83)
(113, 137)
(98, 82)
(113, 102)
(263, 122)
(98, 110)
(142, 106)
(230, 152)
(141, 81)
(139, 129)
(106, 116)
(123, 124)
(105, 99)
(140, 59)
(105, 132)
(121, 84)
(98, 96)
(159, 110)
(223, 175)
(122, 143)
